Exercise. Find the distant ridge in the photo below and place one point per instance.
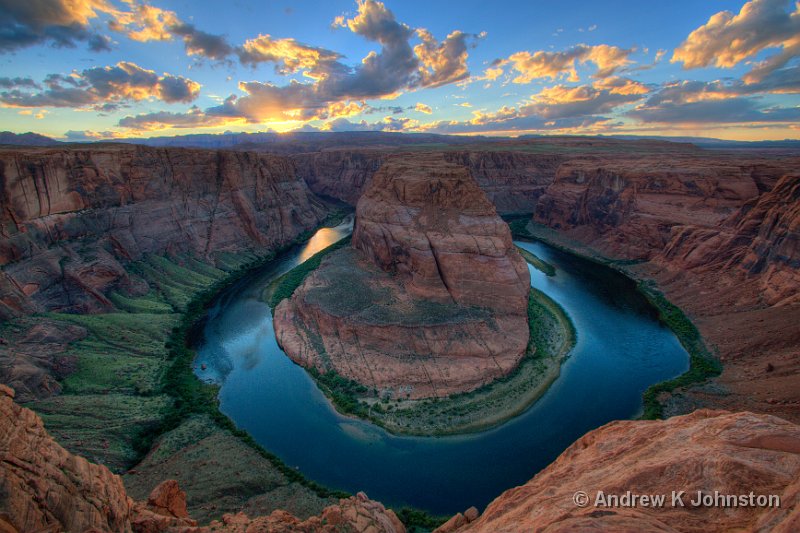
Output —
(26, 139)
(301, 140)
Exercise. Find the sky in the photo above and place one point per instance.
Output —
(99, 69)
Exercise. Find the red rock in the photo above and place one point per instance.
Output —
(431, 300)
(44, 487)
(168, 499)
(73, 216)
(428, 222)
(733, 453)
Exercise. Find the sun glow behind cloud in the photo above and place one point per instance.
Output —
(364, 66)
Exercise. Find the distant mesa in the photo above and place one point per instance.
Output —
(430, 299)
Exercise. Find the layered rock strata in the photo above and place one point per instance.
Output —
(430, 300)
(71, 218)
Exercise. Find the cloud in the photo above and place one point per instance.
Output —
(339, 90)
(555, 65)
(193, 118)
(723, 101)
(732, 110)
(387, 124)
(60, 23)
(14, 83)
(199, 43)
(442, 62)
(727, 39)
(553, 108)
(423, 108)
(100, 86)
(144, 23)
(91, 135)
(288, 55)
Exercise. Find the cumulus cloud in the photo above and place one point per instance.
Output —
(200, 43)
(90, 135)
(553, 108)
(145, 22)
(337, 90)
(727, 39)
(289, 56)
(423, 108)
(443, 62)
(14, 83)
(100, 87)
(731, 110)
(60, 23)
(387, 124)
(555, 65)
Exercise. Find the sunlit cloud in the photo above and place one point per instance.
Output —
(338, 90)
(60, 23)
(289, 56)
(422, 108)
(728, 39)
(557, 65)
(101, 86)
(160, 120)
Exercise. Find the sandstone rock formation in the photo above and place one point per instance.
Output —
(732, 453)
(45, 488)
(427, 222)
(71, 217)
(431, 300)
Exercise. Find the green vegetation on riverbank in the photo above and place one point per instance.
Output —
(284, 286)
(552, 335)
(131, 385)
(703, 365)
(538, 263)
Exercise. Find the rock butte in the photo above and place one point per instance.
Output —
(431, 299)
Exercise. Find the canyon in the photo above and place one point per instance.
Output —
(90, 233)
(715, 230)
(430, 300)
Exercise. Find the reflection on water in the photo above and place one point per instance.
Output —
(621, 350)
(321, 240)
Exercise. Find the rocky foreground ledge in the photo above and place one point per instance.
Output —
(45, 488)
(430, 300)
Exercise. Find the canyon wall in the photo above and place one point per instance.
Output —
(720, 235)
(72, 217)
(513, 181)
(47, 488)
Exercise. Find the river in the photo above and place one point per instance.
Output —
(621, 350)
